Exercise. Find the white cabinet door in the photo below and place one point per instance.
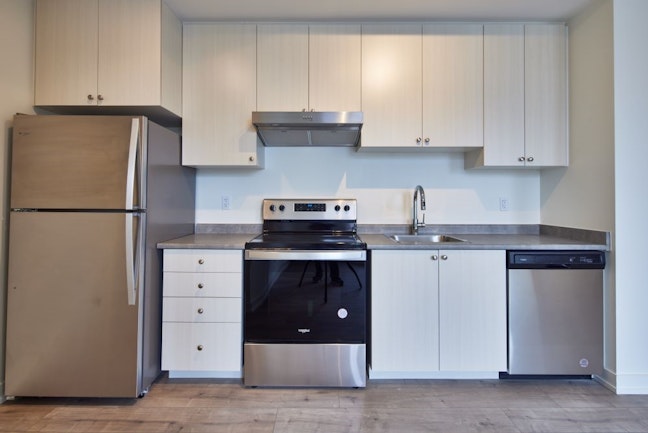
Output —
(453, 86)
(472, 310)
(129, 54)
(219, 84)
(504, 95)
(545, 126)
(391, 85)
(334, 67)
(66, 52)
(282, 78)
(404, 313)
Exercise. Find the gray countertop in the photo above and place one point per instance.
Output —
(475, 237)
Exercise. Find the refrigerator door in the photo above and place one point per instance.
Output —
(71, 331)
(76, 162)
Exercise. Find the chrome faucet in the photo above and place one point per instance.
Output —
(418, 191)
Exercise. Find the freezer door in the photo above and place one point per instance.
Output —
(71, 331)
(76, 162)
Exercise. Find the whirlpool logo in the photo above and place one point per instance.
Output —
(303, 330)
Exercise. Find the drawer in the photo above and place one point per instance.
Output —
(203, 284)
(201, 346)
(191, 260)
(202, 310)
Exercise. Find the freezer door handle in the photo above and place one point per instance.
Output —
(132, 161)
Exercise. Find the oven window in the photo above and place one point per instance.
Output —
(307, 301)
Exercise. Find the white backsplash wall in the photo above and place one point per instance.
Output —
(382, 183)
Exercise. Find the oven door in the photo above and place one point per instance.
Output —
(317, 297)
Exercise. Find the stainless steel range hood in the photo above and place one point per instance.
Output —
(308, 128)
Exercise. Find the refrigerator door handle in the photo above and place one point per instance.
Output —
(132, 161)
(132, 259)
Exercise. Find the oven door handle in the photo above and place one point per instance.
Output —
(324, 255)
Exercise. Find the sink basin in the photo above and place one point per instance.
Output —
(423, 239)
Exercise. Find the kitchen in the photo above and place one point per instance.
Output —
(609, 194)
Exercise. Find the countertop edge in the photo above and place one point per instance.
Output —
(476, 237)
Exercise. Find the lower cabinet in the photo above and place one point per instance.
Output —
(202, 313)
(438, 313)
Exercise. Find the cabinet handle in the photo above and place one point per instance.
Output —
(444, 257)
(201, 285)
(521, 159)
(90, 98)
(427, 140)
(419, 139)
(435, 257)
(200, 347)
(530, 159)
(200, 311)
(100, 98)
(201, 261)
(251, 159)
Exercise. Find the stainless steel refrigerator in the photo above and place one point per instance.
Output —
(91, 196)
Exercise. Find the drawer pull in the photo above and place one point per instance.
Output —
(200, 347)
(200, 311)
(201, 261)
(201, 285)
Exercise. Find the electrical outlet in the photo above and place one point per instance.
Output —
(226, 202)
(504, 204)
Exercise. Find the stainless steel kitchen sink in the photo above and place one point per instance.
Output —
(424, 239)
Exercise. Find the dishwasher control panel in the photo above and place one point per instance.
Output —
(555, 259)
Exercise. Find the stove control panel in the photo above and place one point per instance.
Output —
(309, 209)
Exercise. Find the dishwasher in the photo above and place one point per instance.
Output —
(555, 312)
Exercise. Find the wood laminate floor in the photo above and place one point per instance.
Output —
(384, 406)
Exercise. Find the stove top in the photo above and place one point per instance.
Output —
(309, 224)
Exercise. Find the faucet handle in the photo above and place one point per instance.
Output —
(422, 224)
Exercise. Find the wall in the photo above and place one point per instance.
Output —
(631, 205)
(589, 181)
(382, 182)
(16, 83)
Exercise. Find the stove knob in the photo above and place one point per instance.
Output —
(282, 207)
(347, 208)
(337, 208)
(272, 208)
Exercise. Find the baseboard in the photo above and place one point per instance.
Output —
(180, 374)
(433, 374)
(636, 384)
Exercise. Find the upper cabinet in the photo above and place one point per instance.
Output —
(392, 76)
(525, 97)
(311, 68)
(453, 85)
(422, 86)
(95, 55)
(219, 85)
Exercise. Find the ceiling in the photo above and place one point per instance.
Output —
(376, 10)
